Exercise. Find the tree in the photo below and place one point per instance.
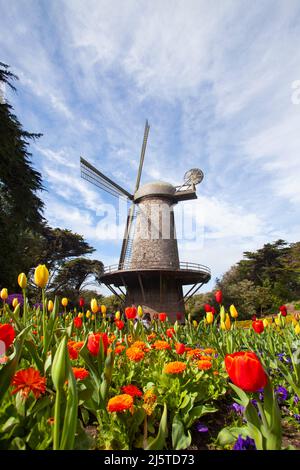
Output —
(76, 275)
(20, 206)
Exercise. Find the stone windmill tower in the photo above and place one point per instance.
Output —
(149, 272)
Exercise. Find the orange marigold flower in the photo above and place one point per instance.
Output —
(29, 380)
(80, 373)
(204, 365)
(160, 344)
(132, 390)
(140, 345)
(194, 353)
(149, 396)
(176, 367)
(111, 339)
(135, 354)
(120, 348)
(205, 358)
(209, 351)
(120, 403)
(74, 348)
(151, 336)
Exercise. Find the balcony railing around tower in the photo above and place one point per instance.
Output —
(158, 266)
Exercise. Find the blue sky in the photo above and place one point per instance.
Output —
(214, 80)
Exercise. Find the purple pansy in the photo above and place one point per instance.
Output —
(244, 444)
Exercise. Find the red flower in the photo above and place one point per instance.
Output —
(29, 380)
(218, 296)
(7, 334)
(93, 343)
(77, 322)
(253, 318)
(207, 307)
(246, 371)
(213, 310)
(130, 313)
(180, 348)
(132, 390)
(80, 373)
(258, 326)
(81, 302)
(162, 316)
(283, 310)
(119, 324)
(170, 332)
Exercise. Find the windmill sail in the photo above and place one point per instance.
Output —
(127, 240)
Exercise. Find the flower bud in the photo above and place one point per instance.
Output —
(222, 314)
(227, 322)
(297, 329)
(140, 311)
(93, 317)
(64, 301)
(209, 317)
(195, 323)
(233, 311)
(88, 314)
(41, 276)
(94, 306)
(103, 310)
(118, 315)
(15, 302)
(22, 280)
(4, 294)
(50, 306)
(59, 370)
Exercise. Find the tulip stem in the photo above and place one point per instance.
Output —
(262, 412)
(44, 318)
(56, 421)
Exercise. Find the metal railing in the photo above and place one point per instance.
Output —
(156, 265)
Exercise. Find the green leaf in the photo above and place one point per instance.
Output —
(159, 442)
(70, 418)
(229, 435)
(197, 412)
(180, 440)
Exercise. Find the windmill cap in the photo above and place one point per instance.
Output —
(155, 188)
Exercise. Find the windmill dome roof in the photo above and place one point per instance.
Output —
(155, 188)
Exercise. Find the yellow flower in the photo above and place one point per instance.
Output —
(140, 311)
(88, 314)
(94, 306)
(297, 329)
(222, 314)
(15, 302)
(103, 310)
(80, 315)
(93, 317)
(22, 280)
(266, 322)
(4, 294)
(64, 301)
(223, 327)
(41, 276)
(209, 317)
(50, 305)
(195, 323)
(233, 311)
(227, 322)
(118, 315)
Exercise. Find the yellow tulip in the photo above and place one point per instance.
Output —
(103, 316)
(297, 329)
(15, 302)
(266, 322)
(195, 323)
(80, 315)
(209, 317)
(227, 322)
(103, 309)
(140, 311)
(88, 314)
(22, 280)
(50, 306)
(233, 311)
(222, 314)
(41, 276)
(93, 317)
(277, 321)
(94, 306)
(4, 294)
(64, 301)
(118, 315)
(223, 327)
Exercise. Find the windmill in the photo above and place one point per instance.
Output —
(149, 272)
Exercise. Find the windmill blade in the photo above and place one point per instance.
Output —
(146, 133)
(94, 176)
(130, 216)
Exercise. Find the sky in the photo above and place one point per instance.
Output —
(219, 82)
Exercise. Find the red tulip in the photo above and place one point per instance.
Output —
(245, 371)
(180, 348)
(130, 313)
(93, 343)
(207, 308)
(258, 326)
(218, 296)
(81, 302)
(213, 310)
(77, 322)
(170, 332)
(7, 334)
(119, 324)
(283, 310)
(162, 316)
